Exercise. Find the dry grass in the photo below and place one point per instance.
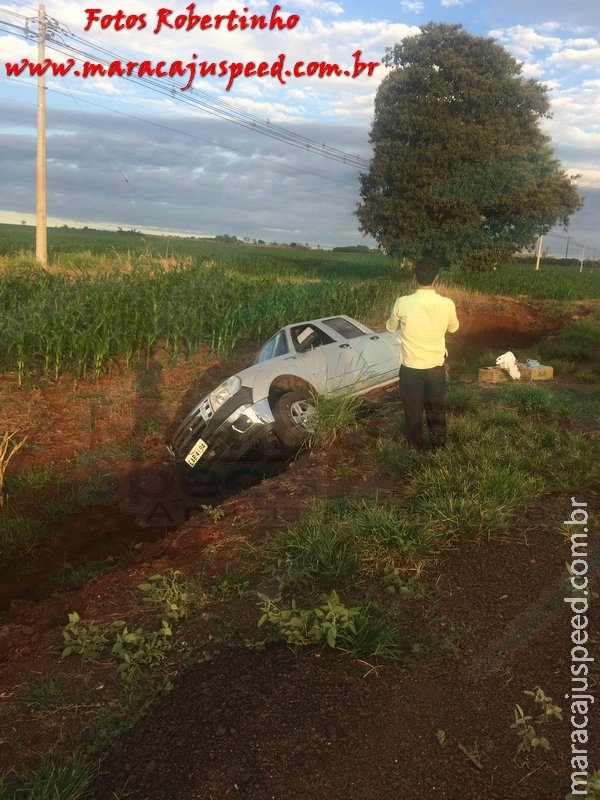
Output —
(8, 447)
(471, 302)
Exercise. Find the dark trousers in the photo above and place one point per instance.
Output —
(424, 390)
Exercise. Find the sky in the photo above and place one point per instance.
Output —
(268, 156)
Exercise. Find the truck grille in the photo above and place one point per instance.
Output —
(191, 428)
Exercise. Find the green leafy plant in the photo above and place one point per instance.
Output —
(170, 591)
(549, 711)
(91, 641)
(140, 650)
(302, 626)
(592, 788)
(214, 512)
(358, 630)
(527, 727)
(394, 581)
(529, 739)
(135, 651)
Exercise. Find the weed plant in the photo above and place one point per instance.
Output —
(171, 593)
(358, 630)
(24, 523)
(341, 542)
(20, 533)
(47, 693)
(577, 341)
(71, 577)
(529, 397)
(592, 788)
(461, 398)
(333, 417)
(56, 777)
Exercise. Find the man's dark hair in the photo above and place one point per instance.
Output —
(426, 270)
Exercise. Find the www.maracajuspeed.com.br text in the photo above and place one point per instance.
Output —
(229, 70)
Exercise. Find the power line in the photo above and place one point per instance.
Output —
(190, 135)
(570, 241)
(73, 46)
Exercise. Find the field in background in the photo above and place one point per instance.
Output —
(113, 297)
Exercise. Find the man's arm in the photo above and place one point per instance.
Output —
(394, 321)
(453, 323)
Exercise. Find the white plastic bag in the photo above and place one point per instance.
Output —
(508, 362)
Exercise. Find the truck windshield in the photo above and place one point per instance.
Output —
(276, 346)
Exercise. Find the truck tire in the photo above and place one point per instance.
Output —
(292, 412)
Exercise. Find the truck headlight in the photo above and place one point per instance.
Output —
(224, 391)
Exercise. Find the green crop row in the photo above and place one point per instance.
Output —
(52, 321)
(114, 297)
(550, 282)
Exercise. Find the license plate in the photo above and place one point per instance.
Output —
(196, 453)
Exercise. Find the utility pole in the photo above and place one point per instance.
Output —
(567, 250)
(539, 253)
(41, 220)
(582, 257)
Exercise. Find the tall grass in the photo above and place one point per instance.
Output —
(496, 461)
(340, 542)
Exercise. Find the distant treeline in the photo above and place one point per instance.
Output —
(551, 261)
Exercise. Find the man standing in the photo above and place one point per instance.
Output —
(424, 318)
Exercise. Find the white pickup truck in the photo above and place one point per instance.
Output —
(331, 356)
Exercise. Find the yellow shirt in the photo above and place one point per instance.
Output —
(424, 318)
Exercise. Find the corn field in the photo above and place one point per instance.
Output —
(114, 298)
(68, 319)
(550, 282)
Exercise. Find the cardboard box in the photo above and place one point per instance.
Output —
(493, 375)
(543, 373)
(497, 375)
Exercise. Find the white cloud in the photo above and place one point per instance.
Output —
(522, 42)
(412, 6)
(320, 6)
(587, 59)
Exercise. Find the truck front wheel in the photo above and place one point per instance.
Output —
(293, 412)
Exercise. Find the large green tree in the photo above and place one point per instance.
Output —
(461, 168)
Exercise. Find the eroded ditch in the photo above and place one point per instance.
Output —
(142, 502)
